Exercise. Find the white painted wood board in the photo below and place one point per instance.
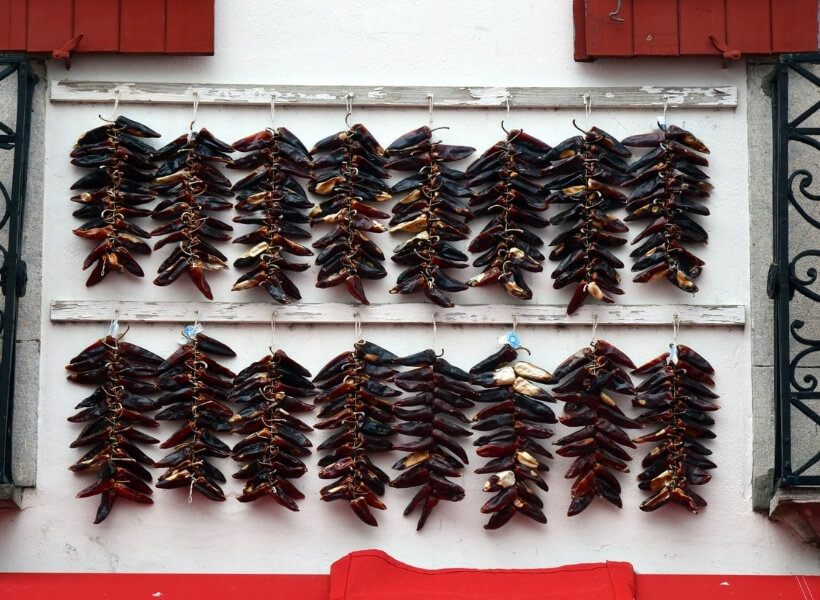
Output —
(395, 96)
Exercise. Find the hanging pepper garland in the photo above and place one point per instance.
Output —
(354, 403)
(194, 188)
(591, 166)
(516, 417)
(442, 391)
(432, 210)
(271, 390)
(668, 186)
(271, 196)
(124, 372)
(677, 396)
(512, 200)
(118, 185)
(584, 381)
(357, 175)
(197, 387)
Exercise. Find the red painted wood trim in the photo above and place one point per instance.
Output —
(18, 24)
(189, 27)
(749, 26)
(142, 26)
(5, 22)
(49, 24)
(606, 37)
(698, 20)
(794, 26)
(656, 27)
(99, 22)
(579, 19)
(127, 26)
(727, 587)
(129, 586)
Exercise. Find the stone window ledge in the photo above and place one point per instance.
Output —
(798, 508)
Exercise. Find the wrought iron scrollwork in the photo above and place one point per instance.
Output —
(794, 274)
(803, 186)
(812, 346)
(803, 285)
(13, 139)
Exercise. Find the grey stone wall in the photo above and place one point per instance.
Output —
(759, 109)
(802, 236)
(27, 373)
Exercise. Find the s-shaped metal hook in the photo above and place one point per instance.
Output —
(613, 16)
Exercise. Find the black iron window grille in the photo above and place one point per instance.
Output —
(16, 78)
(793, 277)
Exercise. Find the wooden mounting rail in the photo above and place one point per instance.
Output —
(395, 96)
(395, 313)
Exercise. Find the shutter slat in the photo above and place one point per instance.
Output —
(656, 27)
(698, 20)
(186, 22)
(142, 26)
(49, 24)
(749, 26)
(99, 22)
(794, 25)
(606, 37)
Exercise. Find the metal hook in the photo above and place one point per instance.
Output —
(116, 105)
(613, 16)
(348, 108)
(196, 107)
(273, 108)
(114, 327)
(507, 103)
(675, 327)
(435, 331)
(574, 124)
(273, 330)
(514, 321)
(430, 106)
(357, 326)
(594, 328)
(662, 122)
(587, 104)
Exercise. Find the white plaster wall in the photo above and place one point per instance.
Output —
(424, 43)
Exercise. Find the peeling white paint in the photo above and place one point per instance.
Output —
(405, 312)
(652, 89)
(466, 97)
(489, 96)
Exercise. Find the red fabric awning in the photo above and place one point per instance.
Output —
(370, 574)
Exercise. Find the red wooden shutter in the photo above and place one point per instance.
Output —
(117, 26)
(684, 27)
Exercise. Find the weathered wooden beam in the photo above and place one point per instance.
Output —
(398, 313)
(395, 96)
